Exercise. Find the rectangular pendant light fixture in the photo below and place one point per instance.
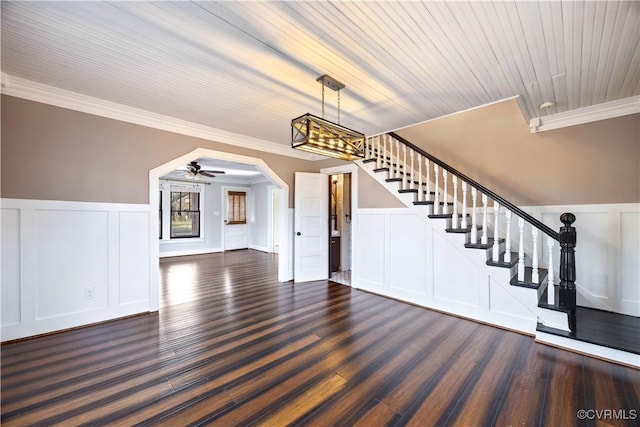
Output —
(321, 136)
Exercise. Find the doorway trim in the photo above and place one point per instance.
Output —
(351, 168)
(284, 269)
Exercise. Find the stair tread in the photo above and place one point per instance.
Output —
(423, 202)
(393, 179)
(502, 263)
(458, 230)
(370, 160)
(381, 170)
(478, 245)
(441, 215)
(408, 190)
(528, 281)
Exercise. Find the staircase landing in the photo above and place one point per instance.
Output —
(604, 328)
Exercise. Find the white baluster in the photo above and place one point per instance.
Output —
(403, 183)
(420, 190)
(390, 165)
(521, 251)
(383, 153)
(445, 191)
(463, 222)
(428, 190)
(507, 254)
(436, 196)
(397, 159)
(412, 183)
(535, 276)
(495, 256)
(474, 226)
(454, 217)
(367, 147)
(551, 289)
(484, 239)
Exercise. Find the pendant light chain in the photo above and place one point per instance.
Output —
(338, 107)
(323, 115)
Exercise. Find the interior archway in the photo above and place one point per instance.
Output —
(285, 272)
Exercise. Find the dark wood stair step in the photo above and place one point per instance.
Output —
(502, 263)
(478, 245)
(462, 230)
(393, 180)
(555, 307)
(423, 202)
(441, 215)
(408, 190)
(458, 230)
(528, 282)
(376, 170)
(370, 160)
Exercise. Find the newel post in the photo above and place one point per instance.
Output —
(567, 287)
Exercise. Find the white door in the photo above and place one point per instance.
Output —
(311, 227)
(235, 218)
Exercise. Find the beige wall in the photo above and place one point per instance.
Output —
(593, 163)
(371, 194)
(52, 153)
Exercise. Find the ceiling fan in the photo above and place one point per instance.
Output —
(195, 171)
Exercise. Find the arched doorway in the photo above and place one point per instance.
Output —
(284, 259)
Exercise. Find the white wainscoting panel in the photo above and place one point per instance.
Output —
(79, 263)
(370, 256)
(72, 257)
(407, 254)
(630, 263)
(10, 266)
(455, 277)
(133, 257)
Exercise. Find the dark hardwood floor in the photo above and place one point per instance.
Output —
(232, 346)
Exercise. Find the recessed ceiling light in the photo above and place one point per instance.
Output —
(545, 105)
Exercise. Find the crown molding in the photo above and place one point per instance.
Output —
(51, 95)
(606, 110)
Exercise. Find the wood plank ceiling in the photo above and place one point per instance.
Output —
(250, 67)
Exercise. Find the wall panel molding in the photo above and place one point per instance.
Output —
(79, 263)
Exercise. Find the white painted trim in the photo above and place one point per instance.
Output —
(259, 248)
(39, 92)
(285, 271)
(606, 110)
(589, 349)
(353, 169)
(190, 252)
(73, 205)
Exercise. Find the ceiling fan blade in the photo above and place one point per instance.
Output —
(207, 173)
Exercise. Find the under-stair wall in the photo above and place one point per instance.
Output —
(459, 257)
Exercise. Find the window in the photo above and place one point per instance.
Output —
(185, 214)
(237, 207)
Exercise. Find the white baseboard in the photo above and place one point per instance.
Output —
(190, 252)
(589, 349)
(259, 248)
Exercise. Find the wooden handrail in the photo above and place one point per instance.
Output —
(513, 208)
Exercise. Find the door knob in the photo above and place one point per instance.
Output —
(298, 234)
